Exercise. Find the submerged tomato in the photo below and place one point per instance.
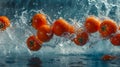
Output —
(108, 57)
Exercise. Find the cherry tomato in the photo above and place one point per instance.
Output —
(38, 20)
(33, 43)
(44, 33)
(4, 23)
(115, 40)
(107, 28)
(81, 38)
(119, 28)
(61, 26)
(92, 24)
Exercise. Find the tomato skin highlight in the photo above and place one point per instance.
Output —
(107, 28)
(61, 26)
(115, 40)
(81, 39)
(38, 20)
(33, 43)
(92, 24)
(4, 22)
(44, 33)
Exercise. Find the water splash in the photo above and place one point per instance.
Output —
(74, 12)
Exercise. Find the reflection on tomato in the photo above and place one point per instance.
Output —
(33, 43)
(108, 57)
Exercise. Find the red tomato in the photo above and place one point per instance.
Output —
(33, 43)
(107, 28)
(4, 22)
(115, 40)
(44, 33)
(61, 26)
(38, 20)
(92, 24)
(81, 39)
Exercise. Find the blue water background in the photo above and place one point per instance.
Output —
(14, 52)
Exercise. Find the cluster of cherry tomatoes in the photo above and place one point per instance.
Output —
(107, 29)
(46, 31)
